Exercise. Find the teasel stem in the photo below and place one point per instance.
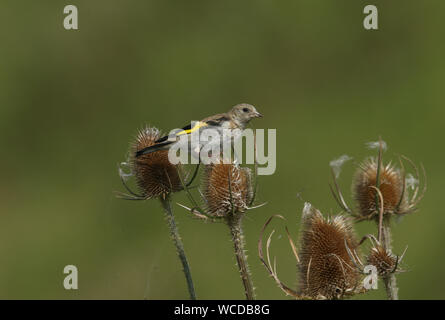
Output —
(174, 234)
(236, 232)
(389, 280)
(385, 231)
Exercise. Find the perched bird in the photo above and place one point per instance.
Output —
(237, 118)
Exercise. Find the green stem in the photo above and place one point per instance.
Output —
(390, 280)
(241, 258)
(166, 204)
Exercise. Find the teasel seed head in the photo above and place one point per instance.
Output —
(390, 183)
(383, 260)
(226, 187)
(155, 174)
(326, 269)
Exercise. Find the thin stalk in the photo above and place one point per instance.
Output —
(390, 280)
(174, 234)
(236, 232)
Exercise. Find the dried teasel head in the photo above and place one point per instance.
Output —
(155, 175)
(388, 179)
(379, 257)
(381, 189)
(384, 261)
(327, 266)
(226, 188)
(326, 269)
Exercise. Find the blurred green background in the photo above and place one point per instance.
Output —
(71, 102)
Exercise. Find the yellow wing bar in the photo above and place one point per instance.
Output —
(197, 125)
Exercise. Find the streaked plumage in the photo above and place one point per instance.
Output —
(237, 118)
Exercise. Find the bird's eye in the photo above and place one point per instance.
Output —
(245, 110)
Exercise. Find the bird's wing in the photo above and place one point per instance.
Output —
(217, 119)
(193, 126)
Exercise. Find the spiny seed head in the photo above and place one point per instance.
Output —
(384, 261)
(390, 185)
(155, 175)
(224, 185)
(326, 269)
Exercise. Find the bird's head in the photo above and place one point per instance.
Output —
(244, 112)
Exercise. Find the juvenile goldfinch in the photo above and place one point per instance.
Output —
(237, 118)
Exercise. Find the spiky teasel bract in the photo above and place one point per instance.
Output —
(226, 188)
(326, 269)
(155, 174)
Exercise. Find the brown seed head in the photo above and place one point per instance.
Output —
(390, 185)
(155, 175)
(326, 269)
(384, 261)
(224, 185)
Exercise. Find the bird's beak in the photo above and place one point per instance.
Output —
(258, 115)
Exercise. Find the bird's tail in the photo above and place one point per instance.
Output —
(156, 147)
